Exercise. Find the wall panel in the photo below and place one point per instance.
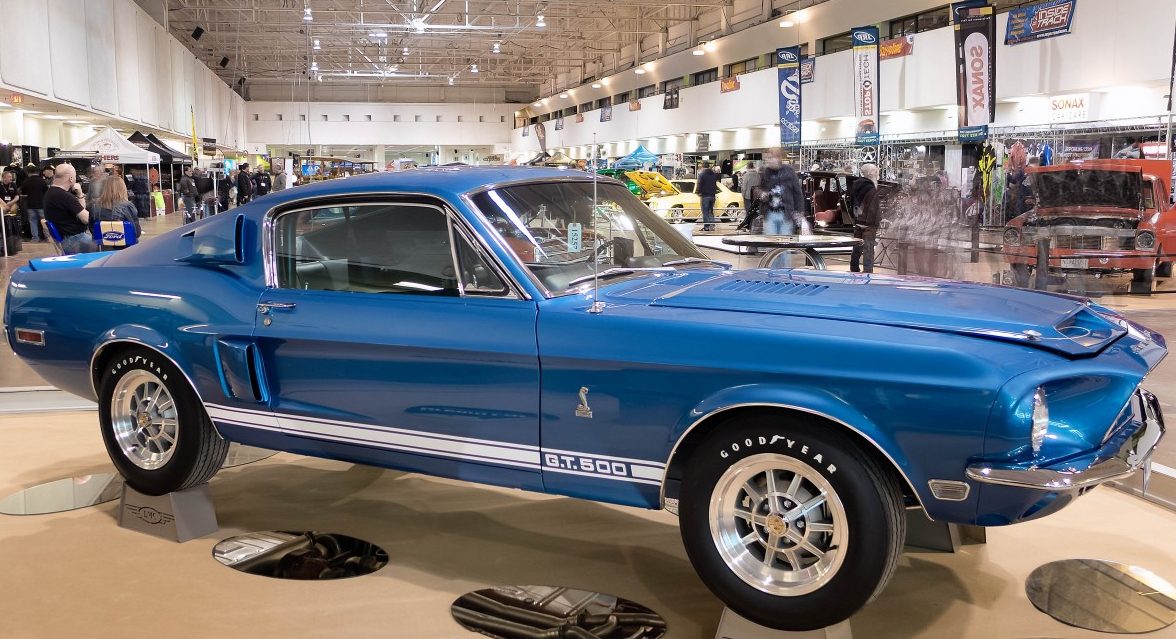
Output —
(162, 82)
(126, 50)
(22, 49)
(100, 56)
(67, 51)
(148, 62)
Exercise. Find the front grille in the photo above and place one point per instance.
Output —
(1093, 242)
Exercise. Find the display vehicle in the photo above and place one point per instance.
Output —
(789, 417)
(829, 203)
(676, 200)
(1102, 217)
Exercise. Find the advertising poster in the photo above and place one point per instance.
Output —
(634, 105)
(559, 123)
(975, 33)
(729, 84)
(541, 133)
(526, 131)
(896, 47)
(702, 143)
(788, 77)
(808, 69)
(1039, 21)
(606, 113)
(1078, 149)
(579, 118)
(865, 85)
(670, 98)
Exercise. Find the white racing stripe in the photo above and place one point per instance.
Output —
(452, 446)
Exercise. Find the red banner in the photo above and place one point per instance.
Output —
(727, 85)
(896, 47)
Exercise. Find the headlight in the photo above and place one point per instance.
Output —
(1040, 421)
(1012, 236)
(1145, 240)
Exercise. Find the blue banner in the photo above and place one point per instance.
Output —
(975, 35)
(788, 78)
(865, 86)
(1038, 21)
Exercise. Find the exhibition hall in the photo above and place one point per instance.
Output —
(641, 319)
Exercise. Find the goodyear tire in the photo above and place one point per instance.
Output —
(789, 522)
(154, 426)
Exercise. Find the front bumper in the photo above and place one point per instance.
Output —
(1118, 458)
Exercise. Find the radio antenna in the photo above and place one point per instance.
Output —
(597, 305)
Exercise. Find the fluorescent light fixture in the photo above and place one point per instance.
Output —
(53, 117)
(473, 68)
(596, 85)
(564, 95)
(317, 47)
(540, 22)
(698, 51)
(639, 71)
(497, 47)
(307, 16)
(5, 104)
(785, 23)
(76, 122)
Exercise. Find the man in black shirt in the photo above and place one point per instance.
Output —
(67, 211)
(244, 185)
(707, 188)
(9, 197)
(261, 183)
(33, 189)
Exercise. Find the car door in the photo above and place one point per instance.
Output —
(389, 335)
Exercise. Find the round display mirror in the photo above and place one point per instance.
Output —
(61, 495)
(240, 454)
(1103, 595)
(300, 555)
(506, 612)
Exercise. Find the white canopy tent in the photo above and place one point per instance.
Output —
(113, 148)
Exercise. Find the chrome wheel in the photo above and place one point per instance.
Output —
(778, 524)
(143, 419)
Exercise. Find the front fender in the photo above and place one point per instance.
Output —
(808, 400)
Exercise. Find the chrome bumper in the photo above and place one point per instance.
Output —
(1131, 456)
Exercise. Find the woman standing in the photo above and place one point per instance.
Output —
(114, 205)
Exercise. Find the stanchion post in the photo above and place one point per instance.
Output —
(900, 260)
(1042, 272)
(976, 242)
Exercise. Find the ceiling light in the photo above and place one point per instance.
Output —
(639, 71)
(405, 52)
(785, 23)
(314, 66)
(316, 45)
(5, 104)
(450, 80)
(319, 78)
(306, 15)
(564, 96)
(497, 47)
(53, 117)
(709, 46)
(473, 68)
(539, 22)
(697, 52)
(596, 85)
(76, 122)
(419, 24)
(537, 104)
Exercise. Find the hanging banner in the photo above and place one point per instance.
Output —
(896, 47)
(729, 84)
(975, 32)
(788, 78)
(541, 133)
(808, 69)
(865, 85)
(702, 143)
(526, 131)
(634, 105)
(606, 113)
(1039, 21)
(559, 122)
(579, 118)
(670, 98)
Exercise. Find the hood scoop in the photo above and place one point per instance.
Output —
(771, 287)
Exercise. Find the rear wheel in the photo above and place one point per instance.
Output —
(789, 522)
(154, 426)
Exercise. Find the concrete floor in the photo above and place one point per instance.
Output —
(77, 574)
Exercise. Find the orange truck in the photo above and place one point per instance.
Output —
(1102, 217)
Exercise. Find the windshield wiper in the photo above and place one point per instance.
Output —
(697, 260)
(619, 270)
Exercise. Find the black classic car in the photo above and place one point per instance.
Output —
(828, 206)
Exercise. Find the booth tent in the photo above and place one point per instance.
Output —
(638, 159)
(112, 148)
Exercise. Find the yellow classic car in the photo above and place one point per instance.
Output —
(675, 200)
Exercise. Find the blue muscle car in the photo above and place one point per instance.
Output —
(537, 329)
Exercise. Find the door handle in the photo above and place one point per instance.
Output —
(265, 307)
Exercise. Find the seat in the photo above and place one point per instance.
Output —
(51, 231)
(114, 235)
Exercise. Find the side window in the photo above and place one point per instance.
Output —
(477, 278)
(1149, 190)
(370, 248)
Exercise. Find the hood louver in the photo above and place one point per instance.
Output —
(767, 287)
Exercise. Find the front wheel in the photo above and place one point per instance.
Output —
(790, 523)
(154, 426)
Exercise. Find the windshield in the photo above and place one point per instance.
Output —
(557, 232)
(1087, 187)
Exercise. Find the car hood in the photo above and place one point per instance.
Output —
(1058, 323)
(652, 182)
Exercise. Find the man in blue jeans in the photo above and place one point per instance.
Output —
(782, 195)
(33, 189)
(707, 187)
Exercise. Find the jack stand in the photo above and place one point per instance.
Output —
(733, 626)
(179, 516)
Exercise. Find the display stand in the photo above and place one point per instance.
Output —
(179, 516)
(937, 535)
(733, 626)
